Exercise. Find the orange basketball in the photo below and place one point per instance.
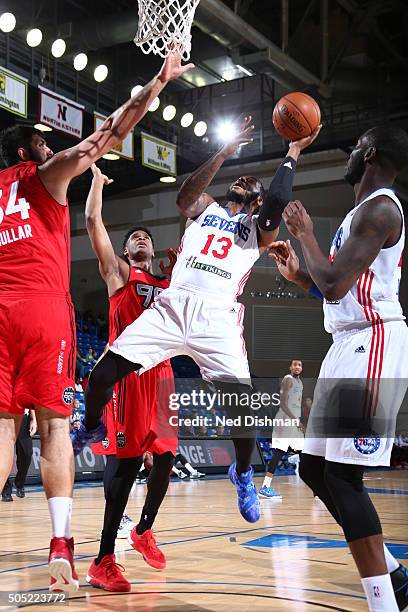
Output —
(296, 115)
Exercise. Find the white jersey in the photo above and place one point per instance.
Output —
(294, 396)
(217, 253)
(374, 297)
(285, 436)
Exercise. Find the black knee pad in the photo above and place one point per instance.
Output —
(110, 369)
(165, 461)
(359, 518)
(311, 470)
(340, 477)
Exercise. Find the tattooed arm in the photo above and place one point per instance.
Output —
(192, 199)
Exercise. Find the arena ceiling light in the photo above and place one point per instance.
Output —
(187, 119)
(80, 61)
(7, 22)
(34, 37)
(43, 128)
(168, 179)
(154, 105)
(226, 130)
(244, 70)
(135, 90)
(200, 128)
(169, 112)
(58, 47)
(100, 73)
(111, 156)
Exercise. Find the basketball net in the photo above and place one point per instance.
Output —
(165, 25)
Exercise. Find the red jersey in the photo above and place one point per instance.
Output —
(34, 235)
(128, 303)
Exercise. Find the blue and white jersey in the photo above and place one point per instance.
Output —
(374, 297)
(217, 253)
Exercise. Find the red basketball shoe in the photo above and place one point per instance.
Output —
(61, 565)
(146, 545)
(107, 575)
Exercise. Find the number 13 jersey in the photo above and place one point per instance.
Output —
(34, 235)
(217, 253)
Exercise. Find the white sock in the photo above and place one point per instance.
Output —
(267, 481)
(392, 563)
(379, 593)
(190, 468)
(175, 470)
(60, 509)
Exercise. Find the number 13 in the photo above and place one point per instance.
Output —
(226, 245)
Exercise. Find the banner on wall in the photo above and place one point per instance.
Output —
(13, 92)
(125, 148)
(159, 155)
(60, 113)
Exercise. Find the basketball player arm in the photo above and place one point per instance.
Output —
(372, 227)
(192, 198)
(59, 170)
(113, 270)
(284, 395)
(280, 192)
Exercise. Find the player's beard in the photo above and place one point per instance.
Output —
(35, 155)
(355, 170)
(239, 198)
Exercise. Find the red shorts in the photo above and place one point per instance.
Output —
(138, 417)
(37, 353)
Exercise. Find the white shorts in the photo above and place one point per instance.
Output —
(284, 443)
(370, 369)
(181, 322)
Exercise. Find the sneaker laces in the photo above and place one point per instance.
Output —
(114, 569)
(150, 542)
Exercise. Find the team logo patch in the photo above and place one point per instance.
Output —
(120, 439)
(367, 446)
(68, 395)
(105, 443)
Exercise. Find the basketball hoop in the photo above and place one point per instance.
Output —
(165, 25)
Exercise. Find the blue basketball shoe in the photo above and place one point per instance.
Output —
(399, 579)
(81, 437)
(268, 492)
(248, 502)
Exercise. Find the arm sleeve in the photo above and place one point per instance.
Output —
(279, 194)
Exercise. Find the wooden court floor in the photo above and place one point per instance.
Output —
(294, 559)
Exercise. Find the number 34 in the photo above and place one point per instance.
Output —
(22, 206)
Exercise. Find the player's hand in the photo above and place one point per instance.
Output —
(33, 427)
(286, 259)
(244, 136)
(167, 269)
(100, 178)
(306, 142)
(172, 68)
(297, 219)
(302, 428)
